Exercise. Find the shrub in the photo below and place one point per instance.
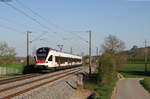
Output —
(107, 68)
(146, 83)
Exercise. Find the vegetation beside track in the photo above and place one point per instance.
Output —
(18, 66)
(134, 70)
(146, 83)
(104, 91)
(9, 63)
(106, 76)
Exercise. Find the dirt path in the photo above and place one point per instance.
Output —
(130, 88)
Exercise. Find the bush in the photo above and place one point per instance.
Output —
(105, 91)
(107, 68)
(146, 83)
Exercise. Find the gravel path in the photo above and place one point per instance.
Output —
(130, 88)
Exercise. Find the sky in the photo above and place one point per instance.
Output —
(66, 22)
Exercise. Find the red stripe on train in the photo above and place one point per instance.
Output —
(41, 61)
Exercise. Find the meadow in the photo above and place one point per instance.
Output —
(134, 70)
(18, 66)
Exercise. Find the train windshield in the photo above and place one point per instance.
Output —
(42, 53)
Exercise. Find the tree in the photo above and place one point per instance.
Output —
(110, 59)
(7, 53)
(113, 44)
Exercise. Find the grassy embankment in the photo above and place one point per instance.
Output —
(137, 70)
(17, 66)
(105, 92)
(146, 83)
(106, 76)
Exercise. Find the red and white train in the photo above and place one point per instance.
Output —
(48, 58)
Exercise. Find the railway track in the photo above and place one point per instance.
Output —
(18, 78)
(20, 88)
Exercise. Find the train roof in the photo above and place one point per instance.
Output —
(58, 50)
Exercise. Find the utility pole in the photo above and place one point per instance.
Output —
(145, 56)
(60, 47)
(90, 52)
(28, 32)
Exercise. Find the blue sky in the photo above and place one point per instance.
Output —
(129, 20)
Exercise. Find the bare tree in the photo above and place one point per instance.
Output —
(113, 44)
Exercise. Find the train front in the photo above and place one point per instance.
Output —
(41, 55)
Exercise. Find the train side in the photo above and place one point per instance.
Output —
(47, 58)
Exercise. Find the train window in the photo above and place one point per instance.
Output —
(57, 59)
(50, 58)
(62, 60)
(42, 53)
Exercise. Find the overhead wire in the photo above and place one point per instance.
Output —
(37, 14)
(25, 14)
(43, 18)
(13, 22)
(16, 30)
(9, 28)
(44, 26)
(38, 37)
(30, 17)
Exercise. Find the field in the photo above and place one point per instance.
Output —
(18, 66)
(138, 60)
(134, 70)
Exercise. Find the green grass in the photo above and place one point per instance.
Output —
(18, 66)
(138, 60)
(146, 83)
(105, 92)
(134, 70)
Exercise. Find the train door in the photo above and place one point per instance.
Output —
(54, 60)
(50, 61)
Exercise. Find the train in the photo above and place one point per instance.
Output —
(47, 58)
